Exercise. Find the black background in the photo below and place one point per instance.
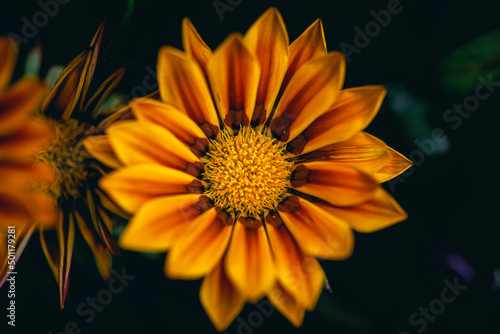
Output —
(451, 195)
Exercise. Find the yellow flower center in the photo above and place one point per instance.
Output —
(69, 158)
(246, 173)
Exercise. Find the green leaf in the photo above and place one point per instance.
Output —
(480, 57)
(52, 75)
(33, 61)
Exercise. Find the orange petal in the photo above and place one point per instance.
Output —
(317, 232)
(335, 183)
(109, 205)
(101, 94)
(397, 164)
(299, 274)
(158, 222)
(172, 119)
(220, 299)
(42, 208)
(105, 229)
(101, 222)
(268, 39)
(113, 115)
(375, 214)
(363, 151)
(100, 147)
(309, 45)
(26, 171)
(7, 61)
(94, 47)
(234, 74)
(49, 243)
(12, 207)
(310, 93)
(64, 96)
(66, 238)
(18, 104)
(183, 85)
(352, 111)
(194, 45)
(200, 247)
(249, 262)
(58, 251)
(147, 143)
(287, 305)
(133, 186)
(101, 253)
(26, 141)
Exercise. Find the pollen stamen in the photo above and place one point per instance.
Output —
(247, 173)
(69, 158)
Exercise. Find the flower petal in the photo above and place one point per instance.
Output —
(66, 238)
(42, 208)
(317, 232)
(26, 141)
(311, 91)
(26, 171)
(234, 74)
(286, 304)
(397, 164)
(220, 299)
(109, 205)
(172, 119)
(299, 274)
(183, 85)
(248, 261)
(335, 183)
(94, 48)
(379, 212)
(197, 251)
(100, 147)
(64, 96)
(20, 206)
(352, 111)
(145, 143)
(309, 45)
(101, 94)
(268, 39)
(158, 222)
(7, 61)
(59, 251)
(194, 45)
(363, 151)
(18, 104)
(134, 186)
(101, 254)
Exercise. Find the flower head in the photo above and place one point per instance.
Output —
(252, 165)
(73, 193)
(20, 136)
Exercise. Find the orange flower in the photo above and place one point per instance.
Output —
(253, 165)
(74, 192)
(20, 136)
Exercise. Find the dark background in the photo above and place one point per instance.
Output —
(451, 195)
